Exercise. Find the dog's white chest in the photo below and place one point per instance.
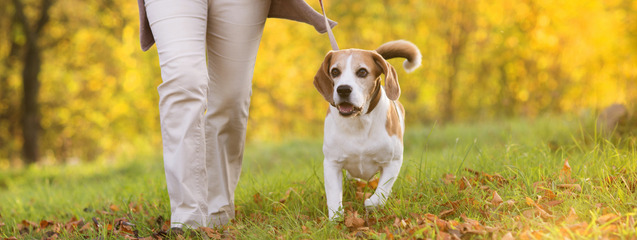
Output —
(362, 148)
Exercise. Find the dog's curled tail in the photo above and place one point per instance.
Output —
(403, 49)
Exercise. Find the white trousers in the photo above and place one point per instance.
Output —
(203, 102)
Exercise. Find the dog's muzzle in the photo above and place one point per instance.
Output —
(346, 108)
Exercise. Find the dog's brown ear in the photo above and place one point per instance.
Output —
(392, 89)
(322, 80)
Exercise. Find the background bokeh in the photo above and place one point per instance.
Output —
(72, 72)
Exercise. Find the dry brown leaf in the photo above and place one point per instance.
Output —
(353, 221)
(286, 196)
(444, 213)
(575, 187)
(114, 208)
(610, 217)
(579, 228)
(464, 184)
(373, 184)
(448, 178)
(256, 198)
(45, 223)
(496, 200)
(508, 236)
(211, 233)
(571, 217)
(548, 194)
(565, 172)
(553, 203)
(388, 234)
(360, 185)
(135, 207)
(510, 202)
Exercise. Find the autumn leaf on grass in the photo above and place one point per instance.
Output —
(45, 223)
(508, 236)
(607, 218)
(448, 178)
(135, 207)
(373, 184)
(496, 200)
(211, 233)
(114, 208)
(572, 216)
(544, 213)
(445, 213)
(464, 184)
(353, 221)
(286, 196)
(256, 198)
(362, 195)
(570, 187)
(565, 172)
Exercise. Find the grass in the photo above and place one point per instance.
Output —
(450, 174)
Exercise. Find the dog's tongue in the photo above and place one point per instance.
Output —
(346, 108)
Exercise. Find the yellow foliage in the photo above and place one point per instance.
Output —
(496, 58)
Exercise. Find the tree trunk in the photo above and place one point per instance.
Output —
(30, 83)
(30, 118)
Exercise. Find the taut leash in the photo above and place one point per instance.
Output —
(329, 29)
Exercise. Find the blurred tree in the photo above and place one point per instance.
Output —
(95, 94)
(31, 51)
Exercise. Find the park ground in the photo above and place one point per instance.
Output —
(551, 177)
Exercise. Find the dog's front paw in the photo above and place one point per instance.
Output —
(375, 201)
(336, 216)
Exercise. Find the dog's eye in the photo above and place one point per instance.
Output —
(335, 72)
(361, 73)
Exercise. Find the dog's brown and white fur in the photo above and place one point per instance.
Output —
(364, 125)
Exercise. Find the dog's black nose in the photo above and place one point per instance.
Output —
(344, 90)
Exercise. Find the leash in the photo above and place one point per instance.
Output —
(329, 29)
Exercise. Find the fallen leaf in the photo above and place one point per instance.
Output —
(353, 221)
(373, 184)
(114, 208)
(554, 203)
(508, 236)
(135, 207)
(448, 178)
(565, 172)
(45, 223)
(444, 213)
(611, 217)
(510, 202)
(548, 194)
(575, 187)
(211, 233)
(286, 196)
(464, 184)
(496, 200)
(256, 198)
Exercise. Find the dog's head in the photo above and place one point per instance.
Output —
(350, 79)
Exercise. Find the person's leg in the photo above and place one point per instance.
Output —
(234, 32)
(179, 27)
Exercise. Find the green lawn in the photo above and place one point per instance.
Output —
(481, 179)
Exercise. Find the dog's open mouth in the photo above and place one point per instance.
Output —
(347, 109)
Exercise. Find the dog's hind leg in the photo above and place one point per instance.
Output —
(385, 183)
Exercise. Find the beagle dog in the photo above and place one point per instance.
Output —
(365, 123)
